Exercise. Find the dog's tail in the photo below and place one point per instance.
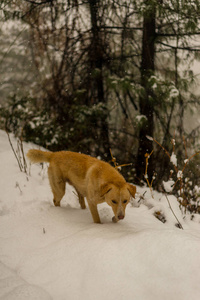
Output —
(38, 156)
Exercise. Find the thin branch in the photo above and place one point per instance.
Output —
(180, 226)
(151, 138)
(147, 156)
(38, 3)
(121, 27)
(14, 151)
(196, 49)
(115, 162)
(180, 34)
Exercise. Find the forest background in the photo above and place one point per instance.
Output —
(91, 76)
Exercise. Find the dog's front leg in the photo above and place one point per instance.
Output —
(94, 212)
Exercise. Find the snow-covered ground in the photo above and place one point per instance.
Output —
(49, 252)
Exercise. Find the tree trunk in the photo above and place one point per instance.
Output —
(146, 100)
(96, 59)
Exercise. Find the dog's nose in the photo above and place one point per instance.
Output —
(120, 217)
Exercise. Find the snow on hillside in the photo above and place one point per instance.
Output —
(49, 252)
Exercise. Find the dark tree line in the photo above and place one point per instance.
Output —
(109, 73)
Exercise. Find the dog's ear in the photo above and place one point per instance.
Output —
(105, 188)
(132, 189)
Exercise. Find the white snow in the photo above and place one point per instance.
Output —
(180, 174)
(140, 118)
(173, 159)
(168, 185)
(49, 252)
(149, 137)
(174, 92)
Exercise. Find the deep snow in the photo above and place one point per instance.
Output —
(49, 252)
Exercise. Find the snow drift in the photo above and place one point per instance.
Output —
(58, 253)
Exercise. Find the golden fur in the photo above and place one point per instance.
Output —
(94, 179)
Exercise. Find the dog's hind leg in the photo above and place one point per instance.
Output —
(58, 193)
(81, 201)
(57, 187)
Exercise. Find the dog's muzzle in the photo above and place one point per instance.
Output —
(119, 217)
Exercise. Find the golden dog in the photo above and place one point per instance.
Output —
(92, 178)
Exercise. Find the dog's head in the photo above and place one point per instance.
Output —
(118, 198)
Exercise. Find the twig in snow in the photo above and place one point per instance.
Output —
(19, 155)
(180, 226)
(20, 141)
(75, 193)
(18, 161)
(17, 186)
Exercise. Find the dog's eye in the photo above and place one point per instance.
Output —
(113, 201)
(125, 201)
